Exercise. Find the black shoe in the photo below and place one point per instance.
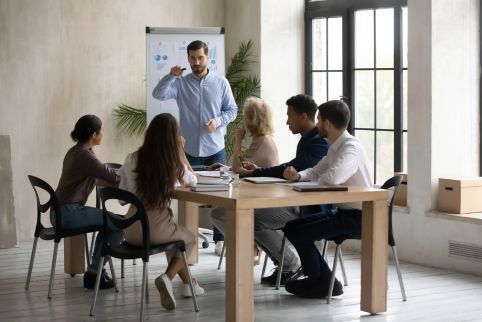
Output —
(285, 276)
(105, 281)
(296, 286)
(315, 288)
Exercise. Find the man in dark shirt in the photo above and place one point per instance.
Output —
(310, 150)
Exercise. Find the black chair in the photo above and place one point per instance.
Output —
(55, 233)
(126, 251)
(111, 165)
(393, 182)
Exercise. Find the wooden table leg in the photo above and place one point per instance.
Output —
(189, 218)
(74, 255)
(374, 257)
(239, 265)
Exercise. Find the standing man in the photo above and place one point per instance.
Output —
(346, 163)
(206, 107)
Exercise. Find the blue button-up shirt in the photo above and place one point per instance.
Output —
(199, 100)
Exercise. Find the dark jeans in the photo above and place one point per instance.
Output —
(303, 232)
(219, 157)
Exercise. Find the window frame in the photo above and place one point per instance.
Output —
(346, 9)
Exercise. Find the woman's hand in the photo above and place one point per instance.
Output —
(240, 134)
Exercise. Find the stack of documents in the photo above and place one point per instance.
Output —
(211, 184)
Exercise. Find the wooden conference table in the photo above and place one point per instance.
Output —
(240, 201)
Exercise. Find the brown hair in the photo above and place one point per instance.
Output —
(159, 163)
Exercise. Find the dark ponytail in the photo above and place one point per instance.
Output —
(85, 127)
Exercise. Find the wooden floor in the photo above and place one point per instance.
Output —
(433, 294)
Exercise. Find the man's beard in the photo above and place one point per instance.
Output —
(198, 69)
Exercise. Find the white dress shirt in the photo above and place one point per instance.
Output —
(346, 163)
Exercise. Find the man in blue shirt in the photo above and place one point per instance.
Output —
(310, 150)
(206, 106)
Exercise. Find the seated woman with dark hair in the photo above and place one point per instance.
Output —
(80, 171)
(151, 173)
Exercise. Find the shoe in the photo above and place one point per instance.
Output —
(285, 277)
(257, 255)
(218, 248)
(164, 286)
(314, 288)
(105, 281)
(186, 292)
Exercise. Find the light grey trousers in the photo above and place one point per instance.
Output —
(265, 222)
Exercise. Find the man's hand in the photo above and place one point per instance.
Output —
(177, 70)
(216, 166)
(248, 165)
(210, 126)
(291, 174)
(243, 172)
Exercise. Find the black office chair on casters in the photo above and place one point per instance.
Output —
(55, 233)
(393, 182)
(126, 251)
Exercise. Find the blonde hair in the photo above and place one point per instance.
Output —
(257, 116)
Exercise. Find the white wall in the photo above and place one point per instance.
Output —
(60, 59)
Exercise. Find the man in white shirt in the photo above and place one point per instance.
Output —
(346, 163)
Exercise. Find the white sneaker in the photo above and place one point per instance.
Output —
(164, 286)
(218, 248)
(186, 292)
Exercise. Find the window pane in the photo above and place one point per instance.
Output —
(364, 99)
(405, 35)
(385, 155)
(335, 43)
(319, 87)
(367, 138)
(405, 150)
(319, 44)
(364, 39)
(405, 99)
(384, 38)
(385, 113)
(335, 85)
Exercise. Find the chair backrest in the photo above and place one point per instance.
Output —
(42, 208)
(393, 182)
(110, 165)
(122, 222)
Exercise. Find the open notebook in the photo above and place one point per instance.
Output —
(264, 180)
(315, 186)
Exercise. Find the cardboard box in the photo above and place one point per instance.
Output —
(400, 198)
(460, 196)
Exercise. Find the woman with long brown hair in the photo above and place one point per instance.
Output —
(152, 172)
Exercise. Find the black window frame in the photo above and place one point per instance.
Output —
(346, 9)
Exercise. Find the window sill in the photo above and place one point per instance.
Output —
(472, 218)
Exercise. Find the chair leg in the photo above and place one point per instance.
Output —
(30, 266)
(342, 265)
(264, 265)
(399, 273)
(333, 273)
(324, 253)
(281, 263)
(92, 243)
(122, 268)
(144, 289)
(222, 255)
(111, 265)
(87, 253)
(97, 283)
(148, 298)
(52, 270)
(194, 298)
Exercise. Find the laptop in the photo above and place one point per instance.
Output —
(264, 180)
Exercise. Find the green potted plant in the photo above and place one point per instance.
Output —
(133, 121)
